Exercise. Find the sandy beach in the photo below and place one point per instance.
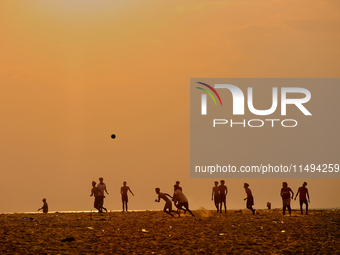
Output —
(154, 232)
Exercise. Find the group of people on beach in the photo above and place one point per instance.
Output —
(99, 194)
(219, 196)
(219, 193)
(286, 198)
(179, 199)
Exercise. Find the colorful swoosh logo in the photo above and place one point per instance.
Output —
(212, 89)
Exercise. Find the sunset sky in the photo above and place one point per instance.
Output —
(73, 72)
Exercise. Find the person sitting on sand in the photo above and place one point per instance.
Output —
(97, 200)
(249, 198)
(168, 204)
(124, 192)
(102, 189)
(303, 191)
(181, 199)
(44, 207)
(223, 191)
(285, 194)
(215, 196)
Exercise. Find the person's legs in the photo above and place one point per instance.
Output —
(168, 205)
(217, 207)
(289, 210)
(301, 203)
(284, 209)
(225, 207)
(186, 205)
(306, 206)
(250, 207)
(100, 204)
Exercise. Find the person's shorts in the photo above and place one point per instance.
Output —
(303, 202)
(168, 205)
(250, 201)
(100, 199)
(216, 199)
(222, 198)
(286, 202)
(125, 198)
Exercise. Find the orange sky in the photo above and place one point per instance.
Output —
(74, 72)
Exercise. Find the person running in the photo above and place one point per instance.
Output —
(223, 191)
(215, 196)
(176, 201)
(168, 205)
(177, 183)
(97, 201)
(181, 200)
(285, 194)
(303, 191)
(44, 207)
(249, 198)
(124, 192)
(101, 195)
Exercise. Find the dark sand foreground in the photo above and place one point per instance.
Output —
(157, 233)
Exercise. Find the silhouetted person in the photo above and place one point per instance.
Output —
(249, 198)
(269, 205)
(44, 207)
(215, 196)
(97, 200)
(285, 194)
(102, 189)
(303, 191)
(124, 191)
(177, 183)
(181, 199)
(168, 203)
(176, 201)
(223, 191)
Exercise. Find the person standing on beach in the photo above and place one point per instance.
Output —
(215, 196)
(44, 207)
(285, 194)
(124, 192)
(97, 201)
(181, 200)
(168, 205)
(223, 191)
(102, 189)
(249, 198)
(303, 191)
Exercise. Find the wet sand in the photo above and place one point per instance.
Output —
(152, 232)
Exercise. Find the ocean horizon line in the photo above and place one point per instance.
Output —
(155, 210)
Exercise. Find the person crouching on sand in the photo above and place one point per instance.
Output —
(249, 198)
(181, 200)
(168, 204)
(44, 207)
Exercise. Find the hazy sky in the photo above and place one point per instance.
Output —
(72, 72)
